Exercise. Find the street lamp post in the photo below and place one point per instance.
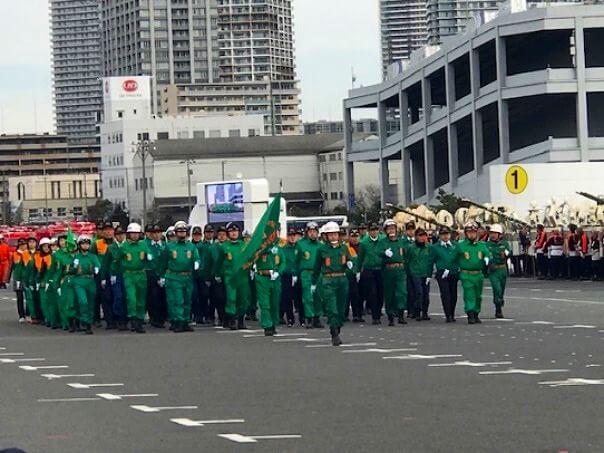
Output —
(188, 162)
(143, 148)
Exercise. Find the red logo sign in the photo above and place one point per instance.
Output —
(130, 85)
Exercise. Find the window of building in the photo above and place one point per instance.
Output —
(321, 158)
(120, 113)
(234, 133)
(332, 157)
(339, 156)
(325, 177)
(333, 176)
(334, 196)
(136, 184)
(61, 212)
(215, 133)
(162, 136)
(341, 195)
(33, 213)
(199, 134)
(340, 176)
(252, 133)
(183, 134)
(77, 211)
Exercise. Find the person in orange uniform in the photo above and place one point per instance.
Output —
(5, 257)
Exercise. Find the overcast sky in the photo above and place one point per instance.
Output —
(331, 37)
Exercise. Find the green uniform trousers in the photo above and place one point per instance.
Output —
(135, 284)
(237, 298)
(268, 293)
(395, 290)
(335, 295)
(312, 302)
(498, 278)
(66, 302)
(85, 295)
(29, 303)
(48, 300)
(179, 293)
(472, 291)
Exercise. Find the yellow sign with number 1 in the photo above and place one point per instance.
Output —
(516, 179)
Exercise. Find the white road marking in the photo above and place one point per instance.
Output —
(36, 368)
(8, 354)
(345, 345)
(277, 335)
(60, 376)
(67, 400)
(112, 397)
(519, 371)
(149, 409)
(239, 331)
(504, 319)
(20, 360)
(2, 349)
(241, 439)
(542, 323)
(383, 351)
(573, 382)
(422, 357)
(592, 365)
(77, 385)
(470, 364)
(306, 340)
(198, 423)
(575, 326)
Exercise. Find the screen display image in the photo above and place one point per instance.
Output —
(225, 202)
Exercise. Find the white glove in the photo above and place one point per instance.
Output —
(37, 287)
(196, 265)
(313, 288)
(18, 285)
(274, 275)
(445, 273)
(358, 277)
(507, 253)
(427, 281)
(218, 279)
(103, 283)
(294, 280)
(208, 283)
(486, 260)
(252, 275)
(76, 262)
(113, 279)
(275, 250)
(510, 267)
(161, 282)
(46, 287)
(349, 265)
(96, 271)
(389, 253)
(59, 292)
(149, 257)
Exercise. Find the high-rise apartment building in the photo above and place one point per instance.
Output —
(76, 66)
(256, 40)
(174, 41)
(403, 29)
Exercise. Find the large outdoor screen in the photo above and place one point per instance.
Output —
(225, 202)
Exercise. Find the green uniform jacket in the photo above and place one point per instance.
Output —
(215, 251)
(86, 263)
(399, 250)
(290, 252)
(307, 254)
(445, 257)
(420, 260)
(497, 250)
(204, 248)
(132, 256)
(470, 255)
(227, 254)
(271, 260)
(178, 257)
(369, 254)
(331, 259)
(156, 249)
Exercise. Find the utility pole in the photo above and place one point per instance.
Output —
(143, 148)
(188, 162)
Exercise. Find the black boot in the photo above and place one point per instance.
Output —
(187, 327)
(498, 312)
(335, 337)
(139, 326)
(172, 326)
(72, 325)
(268, 332)
(425, 316)
(178, 327)
(241, 324)
(390, 321)
(87, 329)
(232, 323)
(110, 325)
(309, 323)
(132, 325)
(471, 318)
(78, 327)
(449, 319)
(477, 319)
(376, 322)
(401, 318)
(316, 322)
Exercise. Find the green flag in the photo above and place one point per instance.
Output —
(71, 241)
(265, 235)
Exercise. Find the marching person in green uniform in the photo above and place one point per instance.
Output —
(290, 284)
(332, 261)
(237, 296)
(178, 261)
(62, 281)
(86, 266)
(471, 257)
(393, 252)
(156, 295)
(269, 269)
(420, 268)
(498, 267)
(203, 277)
(130, 260)
(307, 251)
(370, 263)
(447, 272)
(218, 290)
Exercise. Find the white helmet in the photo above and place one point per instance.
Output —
(53, 241)
(84, 238)
(496, 228)
(331, 227)
(44, 241)
(388, 223)
(170, 230)
(134, 228)
(180, 225)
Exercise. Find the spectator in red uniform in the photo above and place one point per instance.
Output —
(5, 257)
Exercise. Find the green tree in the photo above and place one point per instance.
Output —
(101, 211)
(448, 201)
(368, 206)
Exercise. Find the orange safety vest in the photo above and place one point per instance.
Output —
(101, 247)
(40, 260)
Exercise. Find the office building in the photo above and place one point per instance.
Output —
(76, 67)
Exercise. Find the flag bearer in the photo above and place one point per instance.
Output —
(472, 255)
(393, 250)
(131, 262)
(178, 261)
(307, 252)
(499, 250)
(269, 269)
(86, 266)
(332, 262)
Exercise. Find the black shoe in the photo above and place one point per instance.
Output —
(477, 319)
(355, 320)
(87, 329)
(448, 319)
(187, 327)
(425, 317)
(471, 318)
(110, 326)
(498, 313)
(390, 321)
(241, 324)
(376, 322)
(172, 326)
(179, 327)
(225, 323)
(268, 332)
(232, 324)
(335, 337)
(417, 317)
(453, 319)
(290, 323)
(122, 326)
(309, 323)
(316, 322)
(66, 329)
(401, 320)
(133, 325)
(72, 326)
(139, 327)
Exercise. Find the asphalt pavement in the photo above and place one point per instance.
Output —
(533, 382)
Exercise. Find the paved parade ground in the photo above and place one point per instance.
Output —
(531, 383)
